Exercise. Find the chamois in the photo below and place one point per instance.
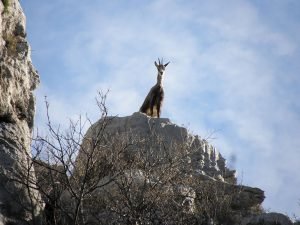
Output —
(153, 102)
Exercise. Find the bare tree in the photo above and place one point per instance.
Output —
(128, 179)
(103, 178)
(145, 186)
(63, 181)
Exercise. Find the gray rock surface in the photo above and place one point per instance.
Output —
(205, 159)
(18, 79)
(267, 219)
(202, 160)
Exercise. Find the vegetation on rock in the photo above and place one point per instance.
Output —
(5, 4)
(126, 179)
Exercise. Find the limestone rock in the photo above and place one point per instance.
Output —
(267, 219)
(18, 79)
(205, 159)
(248, 197)
(162, 139)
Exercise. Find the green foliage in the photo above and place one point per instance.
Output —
(11, 43)
(5, 4)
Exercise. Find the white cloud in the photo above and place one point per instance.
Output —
(222, 76)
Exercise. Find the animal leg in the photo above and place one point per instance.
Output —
(158, 110)
(151, 110)
(152, 104)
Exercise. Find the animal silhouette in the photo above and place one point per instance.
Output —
(153, 102)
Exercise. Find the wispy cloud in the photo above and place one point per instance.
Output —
(232, 69)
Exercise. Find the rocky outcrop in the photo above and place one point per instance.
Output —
(19, 202)
(267, 219)
(202, 168)
(203, 158)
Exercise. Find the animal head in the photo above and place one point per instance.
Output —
(161, 66)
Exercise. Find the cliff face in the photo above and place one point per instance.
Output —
(162, 159)
(168, 175)
(18, 79)
(203, 159)
(150, 171)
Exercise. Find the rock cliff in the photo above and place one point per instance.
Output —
(18, 79)
(203, 158)
(205, 193)
(141, 170)
(154, 147)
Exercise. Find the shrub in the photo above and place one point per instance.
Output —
(5, 4)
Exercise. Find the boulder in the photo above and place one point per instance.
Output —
(267, 219)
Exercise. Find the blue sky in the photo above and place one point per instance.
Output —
(234, 72)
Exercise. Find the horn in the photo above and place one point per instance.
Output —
(166, 64)
(158, 61)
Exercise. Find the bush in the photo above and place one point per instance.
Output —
(5, 4)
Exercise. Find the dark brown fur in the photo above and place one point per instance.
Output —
(153, 102)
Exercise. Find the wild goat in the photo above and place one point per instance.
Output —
(153, 102)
